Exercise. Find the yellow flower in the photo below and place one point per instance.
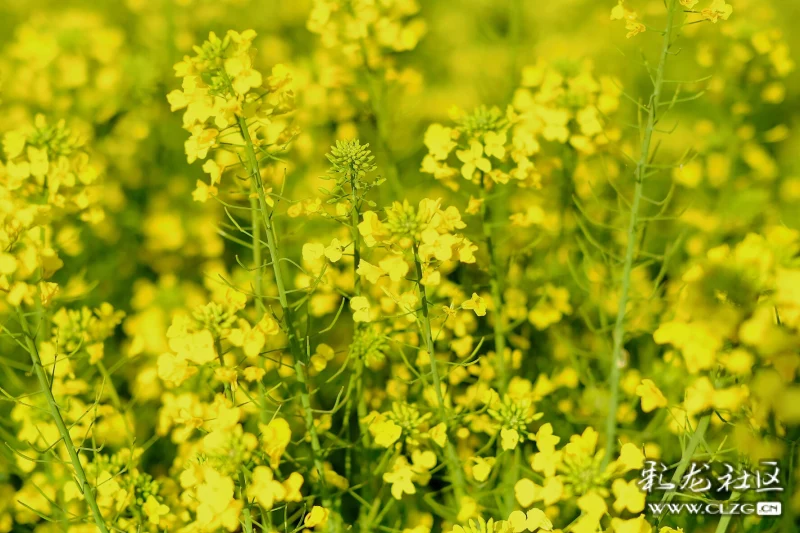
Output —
(200, 347)
(293, 484)
(526, 492)
(395, 266)
(593, 507)
(476, 304)
(495, 144)
(482, 468)
(628, 496)
(203, 192)
(38, 160)
(509, 438)
(423, 461)
(631, 457)
(371, 228)
(689, 4)
(633, 525)
(253, 373)
(518, 521)
(313, 251)
(698, 343)
(474, 206)
(251, 340)
(689, 175)
(13, 143)
(214, 494)
(317, 517)
(334, 251)
(213, 170)
(264, 488)
(275, 437)
(473, 159)
(174, 369)
(400, 478)
(369, 271)
(551, 308)
(385, 432)
(154, 510)
(618, 11)
(718, 9)
(536, 519)
(48, 291)
(361, 309)
(244, 76)
(438, 434)
(652, 397)
(634, 28)
(439, 141)
(545, 440)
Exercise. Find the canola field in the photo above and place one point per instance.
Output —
(399, 266)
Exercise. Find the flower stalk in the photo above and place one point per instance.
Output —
(496, 287)
(85, 488)
(641, 166)
(451, 457)
(361, 406)
(253, 170)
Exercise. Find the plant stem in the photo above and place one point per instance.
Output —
(248, 517)
(255, 177)
(686, 457)
(354, 211)
(361, 407)
(288, 315)
(725, 521)
(697, 437)
(496, 283)
(83, 483)
(255, 230)
(499, 324)
(451, 457)
(644, 157)
(228, 388)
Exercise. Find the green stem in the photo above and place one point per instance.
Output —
(255, 177)
(354, 211)
(644, 157)
(361, 406)
(499, 325)
(255, 229)
(288, 318)
(221, 358)
(496, 283)
(248, 517)
(725, 521)
(697, 437)
(359, 369)
(451, 457)
(80, 475)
